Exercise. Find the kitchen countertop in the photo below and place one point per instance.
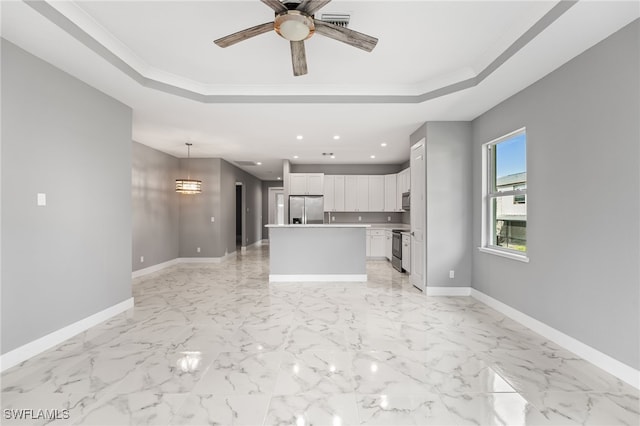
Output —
(321, 225)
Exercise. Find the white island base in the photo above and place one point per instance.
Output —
(317, 253)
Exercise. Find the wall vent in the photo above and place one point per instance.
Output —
(339, 19)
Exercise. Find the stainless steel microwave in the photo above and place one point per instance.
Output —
(406, 201)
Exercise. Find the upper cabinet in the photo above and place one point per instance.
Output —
(333, 193)
(403, 184)
(353, 193)
(306, 184)
(376, 193)
(390, 191)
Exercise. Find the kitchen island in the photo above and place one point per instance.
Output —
(319, 252)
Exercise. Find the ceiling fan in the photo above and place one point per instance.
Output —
(295, 22)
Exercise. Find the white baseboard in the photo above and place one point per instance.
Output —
(594, 356)
(154, 268)
(448, 291)
(318, 278)
(40, 345)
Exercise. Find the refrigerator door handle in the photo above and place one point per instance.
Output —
(304, 215)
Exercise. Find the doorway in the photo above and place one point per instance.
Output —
(240, 217)
(276, 207)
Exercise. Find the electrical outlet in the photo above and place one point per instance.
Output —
(452, 273)
(333, 218)
(359, 218)
(213, 219)
(198, 249)
(388, 218)
(141, 259)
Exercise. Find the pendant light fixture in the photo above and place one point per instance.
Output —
(188, 185)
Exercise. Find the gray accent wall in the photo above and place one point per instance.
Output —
(196, 210)
(155, 207)
(70, 259)
(448, 203)
(583, 162)
(265, 203)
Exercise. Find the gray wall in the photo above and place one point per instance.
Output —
(72, 258)
(583, 187)
(155, 207)
(252, 191)
(196, 229)
(448, 204)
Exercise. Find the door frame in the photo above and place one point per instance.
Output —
(416, 203)
(271, 214)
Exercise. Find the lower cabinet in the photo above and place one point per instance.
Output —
(388, 244)
(406, 253)
(376, 243)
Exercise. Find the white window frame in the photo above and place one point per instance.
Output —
(488, 195)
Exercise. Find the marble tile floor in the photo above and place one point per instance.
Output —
(217, 344)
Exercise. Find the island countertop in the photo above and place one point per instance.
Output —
(320, 225)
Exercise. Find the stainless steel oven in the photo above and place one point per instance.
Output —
(396, 250)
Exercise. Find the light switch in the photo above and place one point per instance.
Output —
(42, 199)
(213, 219)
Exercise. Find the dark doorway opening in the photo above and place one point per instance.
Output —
(238, 217)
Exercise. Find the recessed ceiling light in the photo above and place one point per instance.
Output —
(295, 156)
(336, 137)
(259, 163)
(299, 137)
(333, 156)
(373, 156)
(279, 178)
(383, 144)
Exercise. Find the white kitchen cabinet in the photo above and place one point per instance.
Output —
(376, 194)
(329, 193)
(306, 184)
(388, 244)
(362, 195)
(403, 184)
(375, 243)
(390, 190)
(338, 194)
(351, 193)
(406, 253)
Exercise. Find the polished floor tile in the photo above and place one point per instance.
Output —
(217, 344)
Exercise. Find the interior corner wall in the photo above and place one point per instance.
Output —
(448, 203)
(252, 188)
(70, 259)
(155, 207)
(583, 199)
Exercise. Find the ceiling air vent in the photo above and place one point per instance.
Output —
(246, 163)
(339, 19)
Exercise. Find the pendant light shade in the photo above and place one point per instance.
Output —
(188, 185)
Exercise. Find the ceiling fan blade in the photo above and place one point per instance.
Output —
(345, 35)
(244, 34)
(298, 58)
(311, 6)
(275, 5)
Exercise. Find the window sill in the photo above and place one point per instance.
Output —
(514, 256)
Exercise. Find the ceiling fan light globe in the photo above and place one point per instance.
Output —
(294, 30)
(294, 25)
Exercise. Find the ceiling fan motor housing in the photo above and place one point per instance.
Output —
(294, 25)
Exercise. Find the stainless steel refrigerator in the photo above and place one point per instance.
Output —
(306, 209)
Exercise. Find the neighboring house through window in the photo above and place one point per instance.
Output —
(505, 195)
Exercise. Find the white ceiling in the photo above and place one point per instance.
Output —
(159, 58)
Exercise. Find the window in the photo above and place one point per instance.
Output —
(505, 195)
